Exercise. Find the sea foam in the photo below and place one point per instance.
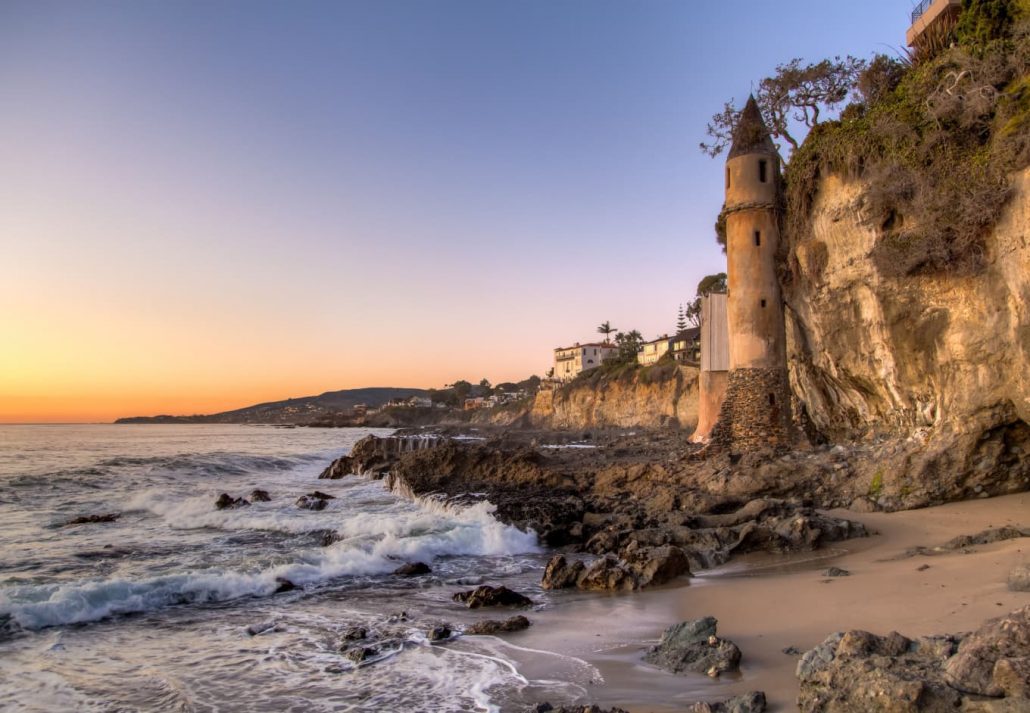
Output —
(372, 544)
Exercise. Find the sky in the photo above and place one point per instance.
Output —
(205, 205)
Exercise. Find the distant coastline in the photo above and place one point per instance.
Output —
(306, 410)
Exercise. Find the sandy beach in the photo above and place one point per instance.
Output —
(766, 603)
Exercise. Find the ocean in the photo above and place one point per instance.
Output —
(173, 606)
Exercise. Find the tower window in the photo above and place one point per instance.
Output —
(758, 238)
(772, 399)
(763, 170)
(727, 176)
(763, 303)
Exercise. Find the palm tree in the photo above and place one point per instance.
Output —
(606, 328)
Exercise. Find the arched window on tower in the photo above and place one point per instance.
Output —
(763, 170)
(758, 238)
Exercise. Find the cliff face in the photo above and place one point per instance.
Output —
(941, 359)
(661, 396)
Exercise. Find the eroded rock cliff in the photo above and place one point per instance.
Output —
(663, 395)
(940, 361)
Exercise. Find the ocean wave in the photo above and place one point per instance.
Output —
(372, 545)
(219, 463)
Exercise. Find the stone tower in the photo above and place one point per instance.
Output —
(756, 410)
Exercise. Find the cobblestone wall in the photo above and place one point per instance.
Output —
(756, 412)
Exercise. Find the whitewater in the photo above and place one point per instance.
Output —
(175, 605)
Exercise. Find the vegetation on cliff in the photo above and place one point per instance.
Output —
(936, 135)
(935, 138)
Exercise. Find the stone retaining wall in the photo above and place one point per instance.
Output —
(756, 412)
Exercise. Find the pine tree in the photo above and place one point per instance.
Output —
(681, 320)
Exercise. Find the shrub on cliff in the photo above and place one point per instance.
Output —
(936, 143)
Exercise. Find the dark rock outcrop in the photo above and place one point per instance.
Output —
(995, 659)
(561, 574)
(91, 519)
(487, 596)
(860, 672)
(314, 501)
(227, 502)
(339, 468)
(310, 502)
(493, 626)
(358, 654)
(355, 633)
(836, 572)
(753, 702)
(257, 495)
(328, 537)
(413, 569)
(284, 585)
(694, 646)
(439, 633)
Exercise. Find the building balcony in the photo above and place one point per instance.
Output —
(929, 14)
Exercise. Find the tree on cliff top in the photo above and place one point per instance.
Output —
(629, 344)
(707, 285)
(794, 92)
(606, 329)
(712, 283)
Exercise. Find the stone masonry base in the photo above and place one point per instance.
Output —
(756, 412)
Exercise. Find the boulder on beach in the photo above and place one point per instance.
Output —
(487, 596)
(321, 496)
(694, 646)
(90, 519)
(859, 672)
(1019, 578)
(753, 702)
(995, 659)
(606, 573)
(257, 495)
(227, 502)
(836, 572)
(494, 626)
(413, 569)
(561, 574)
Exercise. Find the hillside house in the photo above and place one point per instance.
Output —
(932, 18)
(686, 346)
(569, 362)
(651, 352)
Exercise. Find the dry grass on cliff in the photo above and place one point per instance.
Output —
(936, 143)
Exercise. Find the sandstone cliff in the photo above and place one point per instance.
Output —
(662, 395)
(940, 360)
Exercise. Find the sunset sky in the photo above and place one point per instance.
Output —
(204, 205)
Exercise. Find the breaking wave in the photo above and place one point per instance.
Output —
(371, 544)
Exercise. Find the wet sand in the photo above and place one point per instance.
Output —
(767, 603)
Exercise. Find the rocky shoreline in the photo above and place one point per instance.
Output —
(627, 511)
(646, 505)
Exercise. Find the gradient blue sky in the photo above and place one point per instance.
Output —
(208, 204)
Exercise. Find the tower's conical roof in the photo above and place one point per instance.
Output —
(751, 135)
